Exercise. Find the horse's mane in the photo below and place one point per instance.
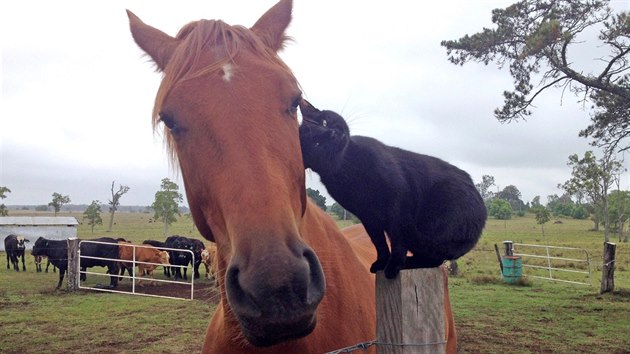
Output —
(226, 41)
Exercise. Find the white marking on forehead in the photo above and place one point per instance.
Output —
(228, 71)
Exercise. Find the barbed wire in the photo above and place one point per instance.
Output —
(365, 345)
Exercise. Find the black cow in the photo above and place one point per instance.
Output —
(100, 250)
(198, 248)
(14, 247)
(56, 252)
(180, 258)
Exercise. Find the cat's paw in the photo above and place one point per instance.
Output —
(378, 265)
(391, 271)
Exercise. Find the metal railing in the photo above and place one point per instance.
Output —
(135, 279)
(552, 264)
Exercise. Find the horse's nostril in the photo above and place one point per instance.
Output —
(238, 296)
(317, 286)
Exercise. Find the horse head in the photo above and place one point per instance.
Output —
(228, 105)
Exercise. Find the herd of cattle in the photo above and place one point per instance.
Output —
(118, 255)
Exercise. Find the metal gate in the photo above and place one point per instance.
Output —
(135, 280)
(563, 264)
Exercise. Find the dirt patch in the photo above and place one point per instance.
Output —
(203, 289)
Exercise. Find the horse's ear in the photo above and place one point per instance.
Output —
(157, 44)
(270, 27)
(307, 108)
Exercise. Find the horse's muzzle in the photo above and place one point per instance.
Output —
(274, 293)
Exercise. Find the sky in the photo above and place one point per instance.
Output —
(77, 92)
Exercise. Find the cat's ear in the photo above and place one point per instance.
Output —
(307, 108)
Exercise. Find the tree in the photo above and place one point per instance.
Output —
(166, 204)
(542, 216)
(115, 202)
(500, 209)
(513, 196)
(619, 211)
(536, 202)
(93, 214)
(3, 209)
(593, 178)
(561, 206)
(484, 186)
(317, 198)
(58, 201)
(535, 37)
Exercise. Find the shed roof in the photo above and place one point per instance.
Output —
(38, 220)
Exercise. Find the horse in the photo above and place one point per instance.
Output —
(289, 280)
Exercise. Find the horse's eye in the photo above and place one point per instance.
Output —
(295, 104)
(169, 122)
(324, 123)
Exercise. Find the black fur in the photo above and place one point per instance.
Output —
(423, 204)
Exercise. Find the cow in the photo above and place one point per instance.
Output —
(107, 251)
(197, 250)
(160, 245)
(209, 259)
(55, 251)
(38, 264)
(14, 247)
(145, 253)
(180, 258)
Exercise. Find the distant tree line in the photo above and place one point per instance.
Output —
(594, 190)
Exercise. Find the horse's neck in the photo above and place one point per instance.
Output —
(341, 257)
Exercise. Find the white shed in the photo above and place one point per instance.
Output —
(32, 227)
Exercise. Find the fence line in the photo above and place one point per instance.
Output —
(133, 277)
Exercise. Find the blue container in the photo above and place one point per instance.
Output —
(512, 268)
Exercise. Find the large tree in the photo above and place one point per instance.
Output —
(593, 178)
(115, 202)
(3, 208)
(513, 196)
(536, 40)
(166, 204)
(58, 201)
(500, 209)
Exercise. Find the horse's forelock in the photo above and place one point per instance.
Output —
(196, 38)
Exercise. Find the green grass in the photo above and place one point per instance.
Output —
(491, 317)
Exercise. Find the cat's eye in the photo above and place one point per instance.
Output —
(324, 123)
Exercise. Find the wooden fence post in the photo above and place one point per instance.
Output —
(608, 269)
(410, 312)
(73, 264)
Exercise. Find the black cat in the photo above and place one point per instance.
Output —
(425, 205)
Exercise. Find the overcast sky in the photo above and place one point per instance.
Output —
(77, 94)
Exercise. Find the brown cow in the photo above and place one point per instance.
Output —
(147, 258)
(208, 258)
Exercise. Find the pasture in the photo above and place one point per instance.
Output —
(491, 317)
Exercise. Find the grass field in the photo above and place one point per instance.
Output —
(536, 316)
